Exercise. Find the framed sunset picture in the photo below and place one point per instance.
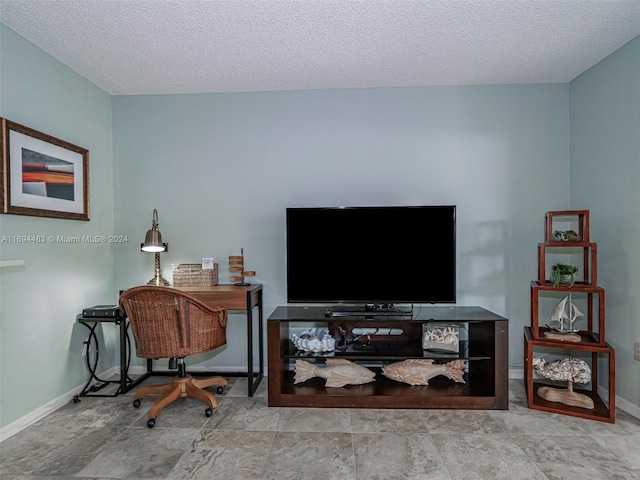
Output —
(42, 175)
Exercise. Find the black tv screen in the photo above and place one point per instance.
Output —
(371, 255)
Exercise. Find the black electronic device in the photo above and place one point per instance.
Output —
(379, 255)
(102, 311)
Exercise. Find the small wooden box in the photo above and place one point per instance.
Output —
(192, 275)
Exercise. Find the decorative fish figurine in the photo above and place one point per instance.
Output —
(337, 373)
(420, 371)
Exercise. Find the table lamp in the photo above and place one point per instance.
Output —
(153, 244)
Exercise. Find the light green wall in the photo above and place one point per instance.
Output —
(40, 343)
(222, 168)
(605, 179)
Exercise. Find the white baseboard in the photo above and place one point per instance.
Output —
(516, 373)
(621, 403)
(41, 412)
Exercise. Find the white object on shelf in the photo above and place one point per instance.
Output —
(441, 337)
(11, 263)
(315, 340)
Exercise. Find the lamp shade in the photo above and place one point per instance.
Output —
(153, 239)
(153, 242)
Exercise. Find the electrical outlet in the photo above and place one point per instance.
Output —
(636, 350)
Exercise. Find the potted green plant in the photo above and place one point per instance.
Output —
(563, 274)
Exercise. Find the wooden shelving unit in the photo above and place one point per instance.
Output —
(592, 341)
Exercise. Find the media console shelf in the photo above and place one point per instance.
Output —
(484, 350)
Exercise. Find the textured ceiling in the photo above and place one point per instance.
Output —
(131, 47)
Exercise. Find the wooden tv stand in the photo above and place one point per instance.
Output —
(485, 351)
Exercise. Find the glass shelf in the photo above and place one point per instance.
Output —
(386, 351)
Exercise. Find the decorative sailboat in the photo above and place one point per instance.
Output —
(565, 312)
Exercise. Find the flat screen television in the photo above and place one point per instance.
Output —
(378, 255)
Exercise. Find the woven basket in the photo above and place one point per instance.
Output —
(192, 275)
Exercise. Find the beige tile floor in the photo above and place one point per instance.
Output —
(106, 438)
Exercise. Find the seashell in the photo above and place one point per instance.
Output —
(570, 369)
(316, 340)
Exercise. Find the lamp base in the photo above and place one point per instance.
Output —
(159, 281)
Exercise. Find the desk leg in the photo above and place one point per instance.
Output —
(260, 340)
(124, 365)
(249, 345)
(126, 382)
(253, 384)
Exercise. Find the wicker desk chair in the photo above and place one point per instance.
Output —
(168, 323)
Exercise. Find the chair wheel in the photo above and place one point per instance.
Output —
(151, 422)
(220, 390)
(136, 403)
(208, 412)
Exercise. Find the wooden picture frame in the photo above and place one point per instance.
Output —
(42, 176)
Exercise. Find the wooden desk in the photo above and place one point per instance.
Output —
(240, 298)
